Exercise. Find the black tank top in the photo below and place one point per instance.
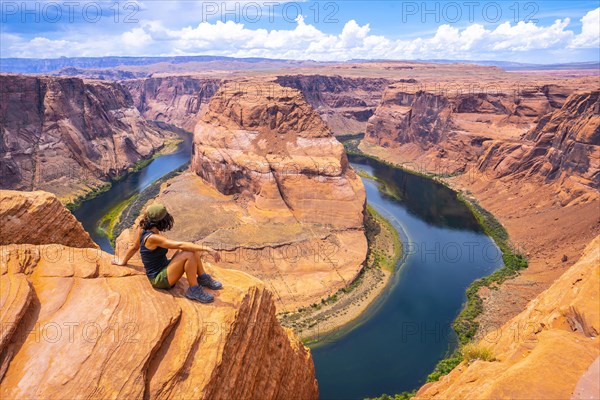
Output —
(154, 260)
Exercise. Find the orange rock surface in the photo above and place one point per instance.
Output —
(39, 218)
(75, 326)
(273, 145)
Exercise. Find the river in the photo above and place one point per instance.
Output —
(402, 336)
(91, 212)
(407, 330)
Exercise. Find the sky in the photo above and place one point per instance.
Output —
(521, 31)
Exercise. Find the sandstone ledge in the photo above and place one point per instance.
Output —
(80, 327)
(39, 218)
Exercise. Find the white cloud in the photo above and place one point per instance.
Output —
(305, 41)
(590, 31)
(136, 38)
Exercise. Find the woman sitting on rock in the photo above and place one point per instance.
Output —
(162, 272)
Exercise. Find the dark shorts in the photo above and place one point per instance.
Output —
(161, 281)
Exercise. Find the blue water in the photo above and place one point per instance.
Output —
(408, 331)
(91, 211)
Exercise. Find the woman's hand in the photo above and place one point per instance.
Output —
(118, 261)
(215, 255)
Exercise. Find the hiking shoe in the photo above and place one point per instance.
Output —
(209, 282)
(198, 294)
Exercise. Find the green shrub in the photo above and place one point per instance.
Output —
(472, 352)
(400, 396)
(445, 366)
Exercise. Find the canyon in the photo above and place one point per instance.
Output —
(271, 187)
(69, 136)
(531, 161)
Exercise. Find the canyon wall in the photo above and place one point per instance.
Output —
(541, 353)
(344, 103)
(76, 326)
(537, 133)
(69, 136)
(447, 128)
(562, 148)
(176, 100)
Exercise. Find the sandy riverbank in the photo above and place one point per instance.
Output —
(333, 316)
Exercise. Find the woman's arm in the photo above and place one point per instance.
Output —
(137, 233)
(161, 241)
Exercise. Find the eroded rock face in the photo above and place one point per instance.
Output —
(447, 129)
(344, 103)
(421, 118)
(560, 327)
(275, 147)
(176, 100)
(66, 135)
(539, 132)
(39, 218)
(76, 326)
(563, 147)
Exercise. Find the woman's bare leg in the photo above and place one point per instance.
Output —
(199, 263)
(184, 261)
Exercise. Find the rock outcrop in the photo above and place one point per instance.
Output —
(277, 148)
(75, 326)
(344, 103)
(176, 100)
(542, 352)
(69, 136)
(39, 218)
(562, 148)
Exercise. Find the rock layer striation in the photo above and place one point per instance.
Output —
(67, 135)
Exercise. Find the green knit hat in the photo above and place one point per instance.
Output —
(156, 212)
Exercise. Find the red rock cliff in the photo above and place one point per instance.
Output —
(562, 148)
(274, 146)
(177, 100)
(66, 135)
